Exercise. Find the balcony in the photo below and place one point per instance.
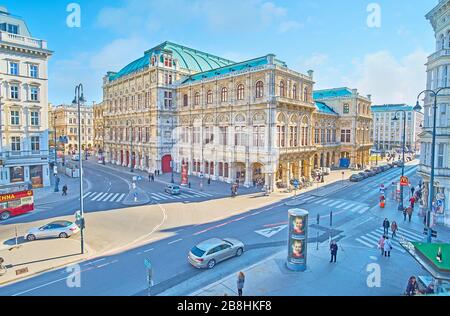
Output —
(22, 40)
(23, 154)
(438, 54)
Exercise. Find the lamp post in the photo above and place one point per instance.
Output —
(400, 205)
(131, 146)
(78, 101)
(172, 162)
(433, 153)
(56, 154)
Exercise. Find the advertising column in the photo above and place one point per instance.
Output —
(184, 174)
(297, 239)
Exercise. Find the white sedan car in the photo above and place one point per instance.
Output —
(58, 229)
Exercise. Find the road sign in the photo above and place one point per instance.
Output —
(139, 178)
(296, 183)
(404, 181)
(147, 264)
(269, 232)
(433, 232)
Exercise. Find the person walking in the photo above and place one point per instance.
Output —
(333, 250)
(64, 190)
(386, 226)
(410, 212)
(387, 247)
(149, 177)
(209, 181)
(189, 184)
(240, 282)
(412, 201)
(412, 288)
(381, 244)
(153, 178)
(394, 228)
(412, 190)
(405, 212)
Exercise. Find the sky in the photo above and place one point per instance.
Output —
(379, 47)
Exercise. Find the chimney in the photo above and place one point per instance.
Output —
(355, 91)
(311, 74)
(369, 96)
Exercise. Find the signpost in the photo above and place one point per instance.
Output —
(296, 183)
(404, 181)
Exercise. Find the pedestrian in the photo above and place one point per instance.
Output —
(209, 181)
(149, 177)
(405, 212)
(153, 178)
(189, 184)
(240, 282)
(387, 247)
(381, 244)
(429, 290)
(412, 190)
(410, 212)
(412, 288)
(64, 189)
(412, 201)
(386, 226)
(394, 228)
(333, 250)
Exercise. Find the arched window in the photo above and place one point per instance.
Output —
(282, 89)
(185, 100)
(294, 91)
(346, 109)
(197, 98)
(442, 41)
(240, 92)
(209, 97)
(259, 89)
(224, 95)
(306, 94)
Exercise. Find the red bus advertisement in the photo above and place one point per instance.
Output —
(17, 203)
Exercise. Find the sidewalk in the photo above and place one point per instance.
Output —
(350, 276)
(48, 195)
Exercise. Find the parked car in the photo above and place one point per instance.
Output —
(212, 251)
(370, 173)
(355, 178)
(363, 175)
(57, 229)
(75, 157)
(172, 189)
(377, 170)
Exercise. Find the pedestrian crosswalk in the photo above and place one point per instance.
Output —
(162, 196)
(371, 239)
(336, 204)
(104, 197)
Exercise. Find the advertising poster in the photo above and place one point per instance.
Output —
(184, 175)
(297, 239)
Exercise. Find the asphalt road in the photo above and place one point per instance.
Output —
(354, 213)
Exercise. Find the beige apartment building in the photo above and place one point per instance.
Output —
(66, 123)
(24, 147)
(99, 127)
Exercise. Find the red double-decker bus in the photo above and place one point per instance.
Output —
(16, 203)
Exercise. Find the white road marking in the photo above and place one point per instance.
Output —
(107, 197)
(364, 210)
(172, 242)
(269, 232)
(120, 198)
(107, 264)
(148, 250)
(364, 243)
(114, 197)
(98, 197)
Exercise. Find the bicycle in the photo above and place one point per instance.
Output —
(3, 269)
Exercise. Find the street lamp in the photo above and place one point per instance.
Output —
(131, 145)
(56, 154)
(400, 205)
(78, 101)
(433, 153)
(172, 162)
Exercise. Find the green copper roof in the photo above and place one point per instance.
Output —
(229, 69)
(391, 107)
(187, 58)
(332, 93)
(323, 108)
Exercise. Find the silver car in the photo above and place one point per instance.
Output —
(58, 229)
(212, 251)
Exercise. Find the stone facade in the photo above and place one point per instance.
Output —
(438, 67)
(24, 144)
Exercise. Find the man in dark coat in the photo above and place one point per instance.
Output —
(386, 226)
(333, 250)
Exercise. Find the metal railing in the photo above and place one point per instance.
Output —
(24, 153)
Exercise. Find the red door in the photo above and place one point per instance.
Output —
(166, 160)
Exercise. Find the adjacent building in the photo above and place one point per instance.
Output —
(438, 69)
(355, 124)
(24, 143)
(248, 122)
(66, 124)
(388, 132)
(99, 127)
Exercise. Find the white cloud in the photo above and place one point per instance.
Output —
(316, 60)
(288, 26)
(389, 79)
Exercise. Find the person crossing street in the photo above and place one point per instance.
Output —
(333, 249)
(394, 228)
(387, 246)
(386, 226)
